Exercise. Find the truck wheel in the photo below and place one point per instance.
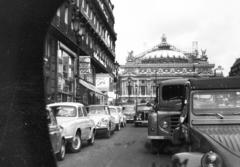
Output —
(76, 143)
(61, 154)
(154, 146)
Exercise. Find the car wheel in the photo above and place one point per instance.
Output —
(61, 154)
(76, 143)
(92, 140)
(108, 132)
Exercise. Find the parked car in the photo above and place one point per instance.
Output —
(142, 112)
(129, 111)
(100, 114)
(56, 136)
(210, 124)
(116, 115)
(123, 117)
(77, 126)
(167, 109)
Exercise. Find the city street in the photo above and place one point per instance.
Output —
(128, 147)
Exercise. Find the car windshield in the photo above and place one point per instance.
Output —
(65, 111)
(143, 108)
(92, 110)
(113, 110)
(129, 109)
(226, 102)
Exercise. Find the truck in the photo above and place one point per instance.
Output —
(209, 127)
(167, 108)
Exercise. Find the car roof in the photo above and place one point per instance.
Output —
(65, 104)
(113, 106)
(97, 105)
(174, 81)
(215, 83)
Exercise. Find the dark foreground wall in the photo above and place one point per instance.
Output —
(24, 139)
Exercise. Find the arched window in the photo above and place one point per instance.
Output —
(66, 15)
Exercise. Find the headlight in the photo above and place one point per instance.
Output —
(164, 124)
(211, 159)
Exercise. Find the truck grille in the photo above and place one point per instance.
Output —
(174, 122)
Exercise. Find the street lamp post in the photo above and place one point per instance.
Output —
(129, 88)
(116, 80)
(136, 91)
(79, 30)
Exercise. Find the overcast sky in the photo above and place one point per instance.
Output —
(215, 24)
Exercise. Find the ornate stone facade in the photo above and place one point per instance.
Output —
(141, 73)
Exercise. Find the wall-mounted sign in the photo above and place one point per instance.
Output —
(84, 65)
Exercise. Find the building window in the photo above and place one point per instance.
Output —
(143, 90)
(78, 3)
(94, 19)
(87, 9)
(83, 4)
(66, 16)
(91, 15)
(58, 12)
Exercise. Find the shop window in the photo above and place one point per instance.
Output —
(65, 73)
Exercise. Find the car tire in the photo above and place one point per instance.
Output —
(76, 143)
(92, 140)
(61, 154)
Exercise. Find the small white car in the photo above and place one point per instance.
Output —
(116, 115)
(77, 126)
(100, 114)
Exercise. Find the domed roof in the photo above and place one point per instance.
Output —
(159, 53)
(163, 51)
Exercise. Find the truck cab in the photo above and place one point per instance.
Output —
(209, 127)
(166, 112)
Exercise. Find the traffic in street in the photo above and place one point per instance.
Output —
(125, 148)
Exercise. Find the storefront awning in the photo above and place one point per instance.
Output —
(91, 87)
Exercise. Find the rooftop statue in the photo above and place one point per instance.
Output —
(130, 56)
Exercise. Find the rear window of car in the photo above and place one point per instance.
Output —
(143, 108)
(97, 110)
(113, 110)
(64, 111)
